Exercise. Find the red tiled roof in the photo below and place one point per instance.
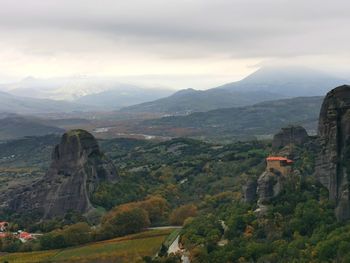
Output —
(25, 235)
(278, 158)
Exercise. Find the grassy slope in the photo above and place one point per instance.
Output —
(125, 249)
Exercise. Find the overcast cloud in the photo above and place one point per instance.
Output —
(222, 40)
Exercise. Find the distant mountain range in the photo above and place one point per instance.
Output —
(121, 97)
(13, 127)
(34, 96)
(259, 120)
(187, 101)
(104, 93)
(268, 83)
(81, 94)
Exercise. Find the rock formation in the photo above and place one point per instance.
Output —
(269, 186)
(77, 168)
(296, 135)
(270, 183)
(333, 162)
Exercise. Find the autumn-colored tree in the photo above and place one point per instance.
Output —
(125, 221)
(155, 206)
(180, 214)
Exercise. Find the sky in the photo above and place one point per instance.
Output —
(171, 43)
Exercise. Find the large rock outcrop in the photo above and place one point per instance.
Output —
(296, 135)
(77, 168)
(333, 162)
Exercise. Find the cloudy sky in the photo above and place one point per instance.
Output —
(176, 43)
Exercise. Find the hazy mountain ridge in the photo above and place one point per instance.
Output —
(267, 83)
(105, 93)
(15, 126)
(291, 81)
(32, 96)
(118, 98)
(67, 88)
(26, 105)
(187, 101)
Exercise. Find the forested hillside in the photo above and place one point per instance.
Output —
(256, 121)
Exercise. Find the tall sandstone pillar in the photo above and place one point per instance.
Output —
(78, 166)
(333, 162)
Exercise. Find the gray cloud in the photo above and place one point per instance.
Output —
(178, 29)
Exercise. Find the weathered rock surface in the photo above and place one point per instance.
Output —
(249, 191)
(296, 135)
(77, 168)
(333, 162)
(269, 186)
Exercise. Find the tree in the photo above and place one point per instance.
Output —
(180, 214)
(77, 234)
(124, 221)
(10, 244)
(72, 235)
(53, 240)
(155, 206)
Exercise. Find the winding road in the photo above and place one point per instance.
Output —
(175, 248)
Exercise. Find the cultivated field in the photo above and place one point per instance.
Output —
(129, 249)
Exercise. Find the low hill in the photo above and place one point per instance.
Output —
(268, 83)
(15, 126)
(261, 119)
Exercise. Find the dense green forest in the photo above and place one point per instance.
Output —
(299, 227)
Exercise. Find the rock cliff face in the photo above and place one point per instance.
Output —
(77, 168)
(296, 135)
(249, 191)
(333, 162)
(269, 185)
